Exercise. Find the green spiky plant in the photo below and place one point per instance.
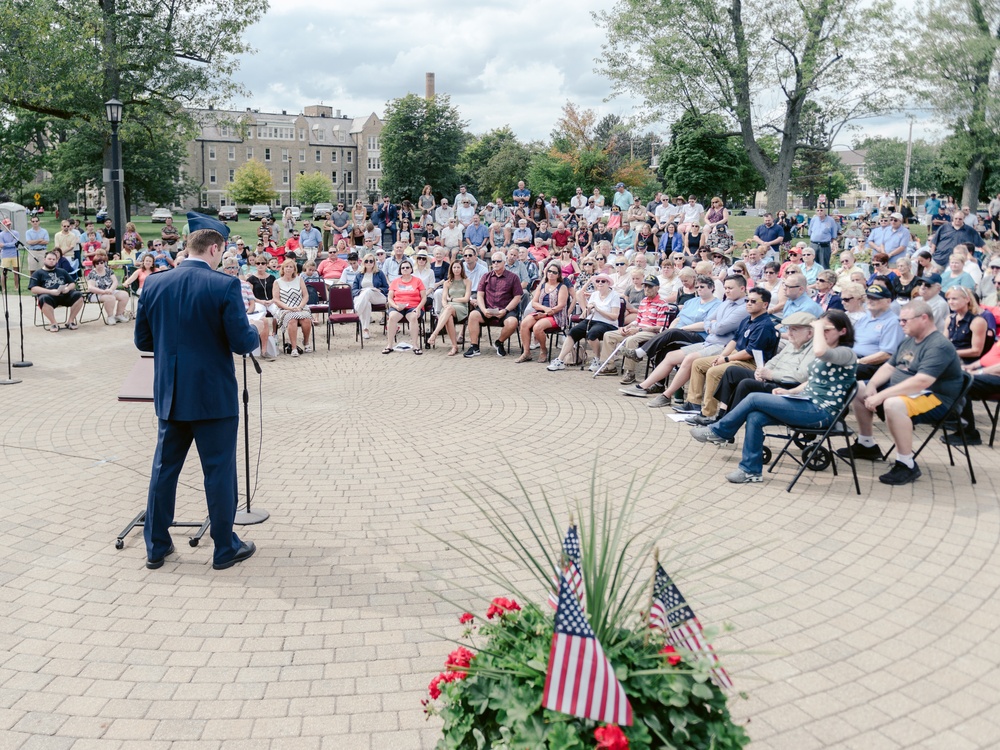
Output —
(490, 696)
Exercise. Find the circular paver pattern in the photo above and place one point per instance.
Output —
(856, 622)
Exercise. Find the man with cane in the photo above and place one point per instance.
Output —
(193, 319)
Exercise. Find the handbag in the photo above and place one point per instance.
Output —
(272, 346)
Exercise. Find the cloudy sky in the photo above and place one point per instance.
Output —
(513, 63)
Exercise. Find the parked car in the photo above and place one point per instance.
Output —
(322, 211)
(296, 212)
(229, 213)
(102, 215)
(260, 211)
(160, 215)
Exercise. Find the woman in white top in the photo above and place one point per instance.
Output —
(603, 307)
(292, 302)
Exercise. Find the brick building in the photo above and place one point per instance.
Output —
(319, 139)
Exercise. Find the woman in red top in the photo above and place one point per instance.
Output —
(407, 295)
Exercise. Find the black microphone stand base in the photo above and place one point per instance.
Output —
(20, 364)
(9, 381)
(250, 517)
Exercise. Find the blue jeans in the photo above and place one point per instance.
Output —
(758, 410)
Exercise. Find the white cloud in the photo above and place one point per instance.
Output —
(513, 63)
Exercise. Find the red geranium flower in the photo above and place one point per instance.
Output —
(501, 605)
(445, 677)
(610, 737)
(673, 658)
(465, 617)
(461, 657)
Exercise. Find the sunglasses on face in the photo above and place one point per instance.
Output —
(260, 264)
(496, 261)
(600, 282)
(469, 256)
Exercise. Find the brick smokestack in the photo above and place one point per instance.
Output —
(429, 86)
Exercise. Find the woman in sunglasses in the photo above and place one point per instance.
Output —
(548, 304)
(370, 288)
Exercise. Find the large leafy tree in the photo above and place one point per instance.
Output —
(885, 164)
(756, 62)
(252, 184)
(60, 60)
(956, 61)
(422, 141)
(701, 159)
(313, 188)
(493, 162)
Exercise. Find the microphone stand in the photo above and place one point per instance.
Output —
(248, 517)
(20, 318)
(9, 380)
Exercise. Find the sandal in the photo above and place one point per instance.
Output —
(526, 357)
(52, 329)
(387, 350)
(431, 342)
(453, 351)
(418, 351)
(543, 356)
(73, 326)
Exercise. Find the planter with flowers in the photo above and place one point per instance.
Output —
(515, 681)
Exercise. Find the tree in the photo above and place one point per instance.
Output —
(252, 184)
(758, 64)
(493, 162)
(622, 143)
(313, 188)
(421, 144)
(885, 164)
(956, 58)
(701, 160)
(61, 60)
(819, 173)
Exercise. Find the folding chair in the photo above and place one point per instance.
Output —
(340, 300)
(817, 449)
(321, 306)
(951, 423)
(993, 414)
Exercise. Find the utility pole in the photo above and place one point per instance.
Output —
(909, 154)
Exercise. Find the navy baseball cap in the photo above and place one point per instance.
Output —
(930, 279)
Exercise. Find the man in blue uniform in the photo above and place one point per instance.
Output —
(193, 319)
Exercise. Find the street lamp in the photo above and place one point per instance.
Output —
(113, 109)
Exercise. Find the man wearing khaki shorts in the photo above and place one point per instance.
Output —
(8, 249)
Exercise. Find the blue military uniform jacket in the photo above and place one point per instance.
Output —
(193, 319)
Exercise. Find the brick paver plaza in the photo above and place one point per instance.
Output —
(858, 622)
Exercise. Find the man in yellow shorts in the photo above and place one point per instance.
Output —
(917, 385)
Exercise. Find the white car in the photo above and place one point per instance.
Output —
(161, 215)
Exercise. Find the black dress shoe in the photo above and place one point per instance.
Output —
(245, 553)
(154, 564)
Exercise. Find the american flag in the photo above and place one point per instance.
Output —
(571, 565)
(671, 613)
(580, 680)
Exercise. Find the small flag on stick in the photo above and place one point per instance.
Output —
(580, 679)
(570, 565)
(671, 613)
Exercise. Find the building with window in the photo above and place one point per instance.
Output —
(320, 139)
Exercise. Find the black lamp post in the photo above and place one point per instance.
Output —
(113, 108)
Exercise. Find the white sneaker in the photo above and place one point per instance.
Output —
(308, 348)
(595, 364)
(557, 364)
(365, 335)
(122, 318)
(295, 352)
(534, 344)
(111, 320)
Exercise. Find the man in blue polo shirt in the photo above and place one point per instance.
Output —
(623, 198)
(797, 298)
(823, 230)
(475, 235)
(769, 236)
(877, 333)
(37, 240)
(931, 206)
(310, 240)
(521, 193)
(889, 237)
(947, 236)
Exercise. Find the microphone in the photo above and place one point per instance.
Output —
(256, 364)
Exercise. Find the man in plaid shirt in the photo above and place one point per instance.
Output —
(652, 319)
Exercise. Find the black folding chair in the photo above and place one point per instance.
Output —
(950, 423)
(816, 445)
(993, 414)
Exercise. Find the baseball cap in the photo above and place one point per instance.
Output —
(620, 184)
(651, 281)
(994, 263)
(896, 215)
(930, 279)
(877, 291)
(799, 319)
